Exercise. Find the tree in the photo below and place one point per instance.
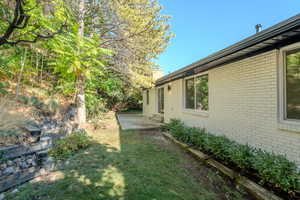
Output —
(16, 18)
(80, 82)
(137, 33)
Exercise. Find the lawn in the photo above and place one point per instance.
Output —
(131, 165)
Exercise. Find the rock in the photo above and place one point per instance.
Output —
(42, 154)
(17, 160)
(33, 128)
(3, 166)
(23, 165)
(33, 139)
(29, 161)
(2, 196)
(10, 163)
(14, 191)
(34, 163)
(17, 169)
(8, 171)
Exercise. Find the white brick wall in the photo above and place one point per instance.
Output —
(243, 105)
(151, 108)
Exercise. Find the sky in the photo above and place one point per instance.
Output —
(202, 27)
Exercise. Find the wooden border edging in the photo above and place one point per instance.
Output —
(256, 190)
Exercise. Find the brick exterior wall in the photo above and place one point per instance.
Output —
(243, 105)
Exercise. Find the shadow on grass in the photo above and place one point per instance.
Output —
(121, 165)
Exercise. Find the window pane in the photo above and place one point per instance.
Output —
(293, 84)
(202, 92)
(190, 93)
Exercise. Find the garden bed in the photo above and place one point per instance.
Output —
(274, 172)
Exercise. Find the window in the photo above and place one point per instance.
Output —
(292, 84)
(196, 93)
(147, 97)
(160, 94)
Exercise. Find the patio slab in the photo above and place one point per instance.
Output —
(136, 122)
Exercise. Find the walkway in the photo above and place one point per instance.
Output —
(136, 122)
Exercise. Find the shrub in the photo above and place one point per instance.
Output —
(36, 102)
(67, 146)
(271, 168)
(53, 106)
(3, 88)
(240, 155)
(276, 169)
(23, 99)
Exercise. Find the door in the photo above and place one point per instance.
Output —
(161, 100)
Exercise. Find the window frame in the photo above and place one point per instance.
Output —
(292, 124)
(190, 110)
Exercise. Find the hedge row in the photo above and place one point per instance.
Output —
(270, 168)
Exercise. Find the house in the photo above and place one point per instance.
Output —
(249, 92)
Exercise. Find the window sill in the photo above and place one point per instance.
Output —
(197, 113)
(289, 125)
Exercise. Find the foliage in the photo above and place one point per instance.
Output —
(271, 168)
(34, 101)
(53, 106)
(113, 58)
(3, 87)
(69, 145)
(276, 169)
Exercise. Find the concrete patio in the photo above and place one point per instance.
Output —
(136, 122)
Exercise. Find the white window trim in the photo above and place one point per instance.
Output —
(203, 113)
(286, 124)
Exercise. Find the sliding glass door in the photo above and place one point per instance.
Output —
(161, 99)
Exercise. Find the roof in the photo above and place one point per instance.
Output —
(284, 33)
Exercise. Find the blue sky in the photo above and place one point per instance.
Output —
(203, 27)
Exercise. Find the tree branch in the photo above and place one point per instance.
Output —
(20, 21)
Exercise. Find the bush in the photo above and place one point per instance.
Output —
(24, 99)
(53, 106)
(36, 102)
(271, 168)
(3, 88)
(276, 169)
(67, 146)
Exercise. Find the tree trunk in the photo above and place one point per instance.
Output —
(37, 66)
(23, 60)
(42, 66)
(80, 84)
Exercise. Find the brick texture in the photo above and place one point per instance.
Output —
(243, 105)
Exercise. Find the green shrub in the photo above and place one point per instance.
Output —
(2, 159)
(53, 106)
(23, 99)
(67, 146)
(240, 155)
(36, 102)
(276, 169)
(271, 168)
(3, 88)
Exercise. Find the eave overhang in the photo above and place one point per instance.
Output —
(277, 36)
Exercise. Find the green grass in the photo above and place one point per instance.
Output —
(127, 165)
